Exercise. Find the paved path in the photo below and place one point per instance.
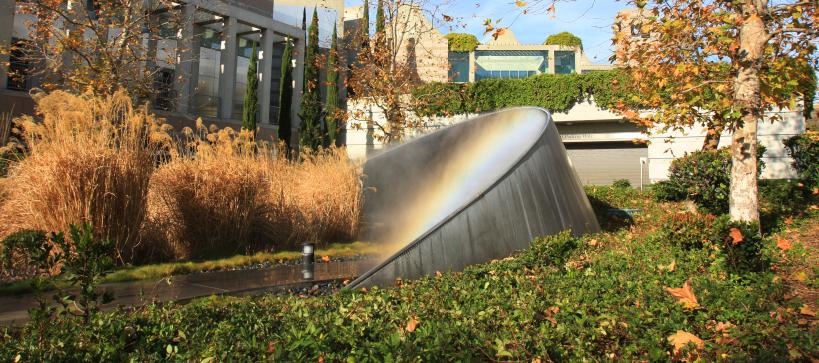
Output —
(14, 309)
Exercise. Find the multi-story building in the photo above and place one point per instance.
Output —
(208, 81)
(506, 57)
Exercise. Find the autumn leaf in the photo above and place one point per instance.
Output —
(520, 4)
(411, 325)
(684, 295)
(806, 310)
(783, 244)
(670, 268)
(325, 258)
(681, 339)
(736, 236)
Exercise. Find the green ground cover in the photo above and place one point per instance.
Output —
(157, 271)
(640, 290)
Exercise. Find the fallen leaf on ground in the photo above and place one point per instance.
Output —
(670, 268)
(325, 258)
(800, 276)
(805, 310)
(411, 325)
(684, 295)
(783, 244)
(736, 236)
(681, 339)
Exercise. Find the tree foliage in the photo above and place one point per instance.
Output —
(462, 42)
(385, 72)
(251, 102)
(310, 131)
(100, 46)
(728, 60)
(565, 39)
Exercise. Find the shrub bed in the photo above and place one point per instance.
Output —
(606, 297)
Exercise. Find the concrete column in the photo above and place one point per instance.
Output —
(227, 79)
(577, 54)
(6, 31)
(184, 75)
(266, 74)
(472, 66)
(551, 61)
(298, 80)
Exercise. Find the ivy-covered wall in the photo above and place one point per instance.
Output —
(554, 92)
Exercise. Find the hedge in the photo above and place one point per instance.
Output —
(554, 92)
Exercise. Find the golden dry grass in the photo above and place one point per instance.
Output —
(89, 160)
(216, 193)
(232, 195)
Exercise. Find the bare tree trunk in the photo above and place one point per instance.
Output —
(744, 199)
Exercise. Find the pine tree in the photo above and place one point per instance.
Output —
(251, 104)
(310, 131)
(286, 93)
(331, 106)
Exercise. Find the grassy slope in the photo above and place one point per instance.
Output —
(157, 271)
(565, 298)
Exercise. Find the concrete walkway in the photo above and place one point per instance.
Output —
(14, 309)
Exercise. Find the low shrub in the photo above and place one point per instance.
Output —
(563, 299)
(804, 149)
(621, 184)
(704, 177)
(738, 246)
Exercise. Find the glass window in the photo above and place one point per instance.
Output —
(564, 62)
(246, 47)
(459, 66)
(211, 39)
(510, 63)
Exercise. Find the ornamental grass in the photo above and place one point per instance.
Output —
(88, 160)
(162, 196)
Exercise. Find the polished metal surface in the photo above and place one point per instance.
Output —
(472, 192)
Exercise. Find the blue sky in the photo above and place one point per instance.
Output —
(589, 19)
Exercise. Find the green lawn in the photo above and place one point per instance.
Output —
(599, 297)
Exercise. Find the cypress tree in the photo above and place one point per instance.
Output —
(365, 27)
(310, 131)
(380, 36)
(286, 93)
(380, 21)
(331, 106)
(251, 103)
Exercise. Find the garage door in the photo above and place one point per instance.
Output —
(603, 163)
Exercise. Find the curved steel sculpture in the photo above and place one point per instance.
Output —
(472, 192)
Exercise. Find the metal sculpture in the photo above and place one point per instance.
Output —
(472, 192)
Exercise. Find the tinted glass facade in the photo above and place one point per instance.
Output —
(510, 63)
(459, 67)
(564, 62)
